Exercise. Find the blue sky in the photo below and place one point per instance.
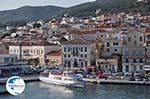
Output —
(12, 4)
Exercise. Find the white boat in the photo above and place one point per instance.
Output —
(62, 78)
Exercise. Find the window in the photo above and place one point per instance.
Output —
(65, 55)
(141, 68)
(127, 68)
(108, 44)
(134, 60)
(108, 50)
(68, 49)
(81, 55)
(135, 43)
(68, 56)
(65, 62)
(141, 39)
(115, 43)
(31, 51)
(141, 60)
(81, 49)
(73, 49)
(134, 68)
(85, 49)
(127, 60)
(64, 49)
(14, 51)
(86, 63)
(17, 51)
(129, 39)
(6, 60)
(115, 50)
(41, 51)
(85, 56)
(76, 49)
(26, 51)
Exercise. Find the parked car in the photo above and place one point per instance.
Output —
(138, 78)
(101, 76)
(90, 76)
(132, 78)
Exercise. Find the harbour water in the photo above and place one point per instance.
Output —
(39, 90)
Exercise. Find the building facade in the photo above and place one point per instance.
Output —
(76, 53)
(54, 58)
(107, 65)
(30, 50)
(147, 51)
(133, 59)
(9, 65)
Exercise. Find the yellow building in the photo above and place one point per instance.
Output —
(31, 50)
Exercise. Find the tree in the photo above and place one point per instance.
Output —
(36, 25)
(13, 30)
(34, 61)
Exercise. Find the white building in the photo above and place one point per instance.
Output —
(76, 53)
(112, 46)
(147, 49)
(133, 59)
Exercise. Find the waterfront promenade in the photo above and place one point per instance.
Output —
(32, 78)
(125, 82)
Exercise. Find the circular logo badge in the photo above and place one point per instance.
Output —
(15, 85)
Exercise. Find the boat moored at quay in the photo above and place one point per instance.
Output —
(63, 78)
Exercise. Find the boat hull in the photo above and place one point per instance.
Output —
(61, 82)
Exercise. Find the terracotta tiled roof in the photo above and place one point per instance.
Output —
(54, 53)
(29, 43)
(77, 41)
(147, 20)
(87, 31)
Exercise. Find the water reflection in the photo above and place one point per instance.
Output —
(56, 88)
(39, 90)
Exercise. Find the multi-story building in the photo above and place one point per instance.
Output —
(133, 51)
(76, 53)
(112, 46)
(32, 50)
(133, 59)
(128, 40)
(89, 34)
(147, 51)
(134, 38)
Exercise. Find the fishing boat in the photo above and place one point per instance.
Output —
(64, 78)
